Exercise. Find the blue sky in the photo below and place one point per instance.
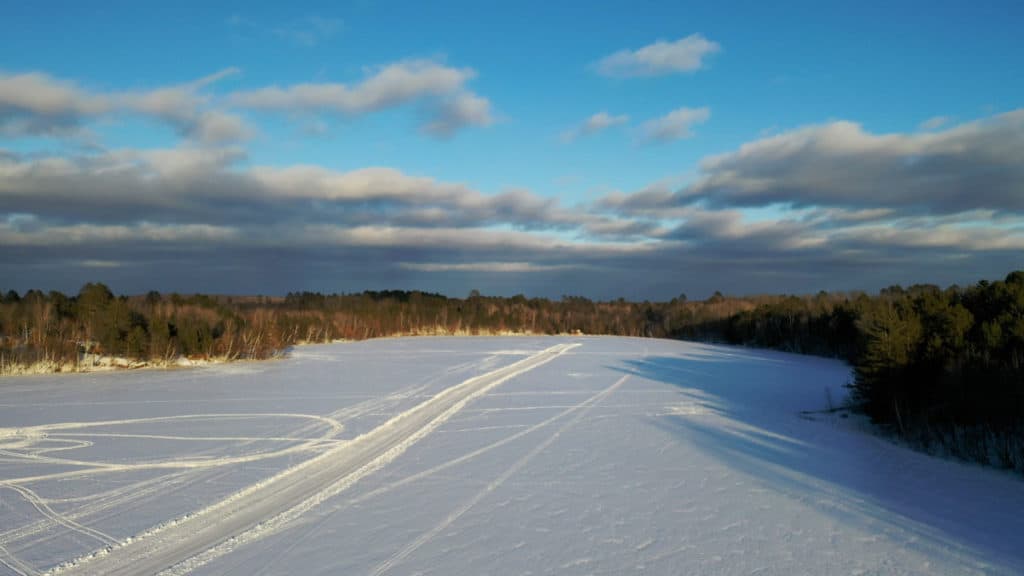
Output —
(604, 149)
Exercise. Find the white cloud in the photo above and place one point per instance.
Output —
(463, 240)
(935, 122)
(45, 95)
(92, 234)
(185, 108)
(181, 182)
(675, 125)
(507, 267)
(683, 55)
(389, 86)
(362, 185)
(450, 105)
(170, 163)
(833, 204)
(976, 165)
(594, 124)
(100, 264)
(37, 103)
(946, 236)
(624, 228)
(217, 126)
(841, 191)
(603, 120)
(456, 112)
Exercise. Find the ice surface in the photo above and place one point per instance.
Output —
(483, 456)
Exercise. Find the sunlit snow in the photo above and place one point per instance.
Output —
(484, 456)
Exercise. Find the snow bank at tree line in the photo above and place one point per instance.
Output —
(105, 363)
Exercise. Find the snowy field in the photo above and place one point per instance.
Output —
(468, 456)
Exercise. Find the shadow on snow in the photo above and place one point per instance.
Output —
(755, 412)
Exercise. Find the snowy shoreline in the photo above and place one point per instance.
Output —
(93, 363)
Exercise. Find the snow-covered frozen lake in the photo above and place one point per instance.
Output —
(468, 456)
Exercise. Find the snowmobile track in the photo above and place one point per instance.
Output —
(263, 508)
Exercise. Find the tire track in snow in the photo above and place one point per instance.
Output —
(49, 513)
(493, 485)
(261, 509)
(17, 566)
(584, 405)
(389, 401)
(90, 467)
(100, 506)
(57, 427)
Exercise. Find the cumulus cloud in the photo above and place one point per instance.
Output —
(827, 206)
(38, 104)
(100, 264)
(78, 234)
(198, 211)
(624, 229)
(943, 236)
(468, 240)
(179, 164)
(180, 184)
(660, 58)
(823, 201)
(594, 124)
(507, 267)
(676, 125)
(456, 112)
(362, 185)
(186, 109)
(935, 122)
(389, 86)
(976, 165)
(441, 87)
(843, 171)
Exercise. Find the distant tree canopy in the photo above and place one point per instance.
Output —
(943, 367)
(924, 358)
(59, 328)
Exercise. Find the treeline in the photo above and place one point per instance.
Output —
(62, 330)
(943, 368)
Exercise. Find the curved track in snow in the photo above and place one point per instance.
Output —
(269, 505)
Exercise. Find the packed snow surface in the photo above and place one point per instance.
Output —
(521, 455)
